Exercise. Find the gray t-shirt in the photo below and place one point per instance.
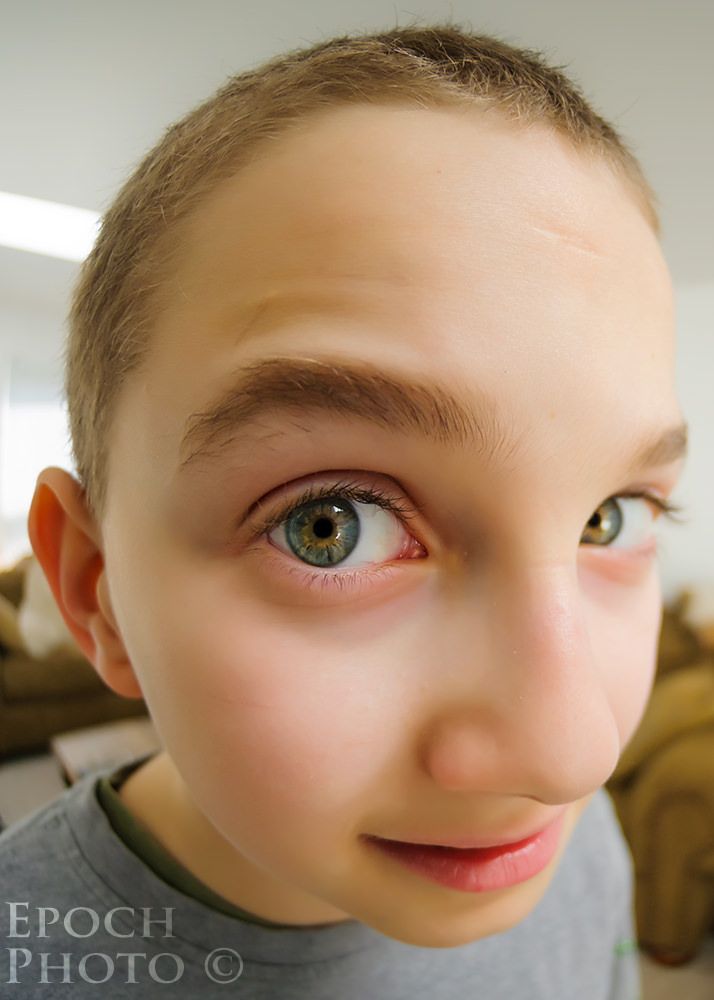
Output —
(81, 915)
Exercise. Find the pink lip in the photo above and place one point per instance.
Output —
(479, 869)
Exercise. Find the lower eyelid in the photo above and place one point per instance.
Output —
(317, 588)
(330, 588)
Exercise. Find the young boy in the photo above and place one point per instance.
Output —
(371, 386)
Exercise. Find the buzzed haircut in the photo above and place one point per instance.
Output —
(118, 294)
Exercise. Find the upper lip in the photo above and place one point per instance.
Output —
(468, 841)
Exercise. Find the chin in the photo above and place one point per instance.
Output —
(461, 918)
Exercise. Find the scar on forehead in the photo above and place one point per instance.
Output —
(570, 237)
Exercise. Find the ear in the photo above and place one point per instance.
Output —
(67, 543)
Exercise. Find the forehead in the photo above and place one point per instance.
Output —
(443, 242)
(388, 192)
(380, 205)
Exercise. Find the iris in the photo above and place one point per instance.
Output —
(323, 533)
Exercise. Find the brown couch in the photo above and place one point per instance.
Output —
(663, 791)
(42, 697)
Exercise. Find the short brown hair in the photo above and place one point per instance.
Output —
(118, 290)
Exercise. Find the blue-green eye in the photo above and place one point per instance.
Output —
(635, 512)
(333, 531)
(324, 532)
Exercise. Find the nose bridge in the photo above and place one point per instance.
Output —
(539, 619)
(537, 720)
(553, 713)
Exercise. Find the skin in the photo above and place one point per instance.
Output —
(480, 688)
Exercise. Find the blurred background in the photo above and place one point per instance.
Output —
(87, 88)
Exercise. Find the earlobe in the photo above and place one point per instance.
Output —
(67, 544)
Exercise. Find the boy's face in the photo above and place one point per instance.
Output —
(468, 672)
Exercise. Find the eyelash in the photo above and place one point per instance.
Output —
(350, 490)
(670, 510)
(405, 511)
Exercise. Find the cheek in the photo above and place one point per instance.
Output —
(625, 631)
(259, 705)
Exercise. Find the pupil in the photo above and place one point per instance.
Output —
(323, 527)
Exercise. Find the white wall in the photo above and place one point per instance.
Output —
(33, 426)
(688, 552)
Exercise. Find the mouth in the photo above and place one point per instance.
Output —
(476, 869)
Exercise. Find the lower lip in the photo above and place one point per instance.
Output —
(480, 869)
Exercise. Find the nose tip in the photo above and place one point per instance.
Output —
(534, 717)
(555, 764)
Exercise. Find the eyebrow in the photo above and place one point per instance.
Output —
(361, 390)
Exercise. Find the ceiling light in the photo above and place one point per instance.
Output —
(46, 227)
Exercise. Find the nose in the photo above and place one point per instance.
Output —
(528, 713)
